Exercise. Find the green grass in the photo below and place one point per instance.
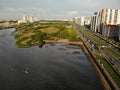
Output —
(63, 33)
(114, 53)
(50, 30)
(37, 32)
(73, 35)
(99, 42)
(107, 66)
(28, 35)
(111, 71)
(91, 36)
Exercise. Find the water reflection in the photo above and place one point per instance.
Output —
(46, 68)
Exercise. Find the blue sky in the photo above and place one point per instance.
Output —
(53, 9)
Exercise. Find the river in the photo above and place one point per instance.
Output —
(55, 66)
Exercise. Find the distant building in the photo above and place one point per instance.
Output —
(25, 19)
(79, 20)
(95, 22)
(76, 20)
(31, 19)
(87, 21)
(82, 20)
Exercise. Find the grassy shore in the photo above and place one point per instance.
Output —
(32, 34)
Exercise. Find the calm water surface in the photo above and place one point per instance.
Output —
(55, 66)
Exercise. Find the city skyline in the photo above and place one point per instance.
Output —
(54, 9)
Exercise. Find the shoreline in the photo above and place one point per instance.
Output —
(102, 78)
(90, 58)
(63, 41)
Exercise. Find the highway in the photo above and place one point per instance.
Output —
(112, 45)
(98, 49)
(95, 47)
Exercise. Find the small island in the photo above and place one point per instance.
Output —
(35, 34)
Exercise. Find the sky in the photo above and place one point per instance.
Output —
(53, 9)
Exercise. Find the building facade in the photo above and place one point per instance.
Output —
(31, 19)
(79, 20)
(109, 23)
(87, 20)
(105, 22)
(119, 32)
(95, 22)
(25, 19)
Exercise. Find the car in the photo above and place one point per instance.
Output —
(118, 70)
(113, 60)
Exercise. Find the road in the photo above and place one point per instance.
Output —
(112, 45)
(93, 46)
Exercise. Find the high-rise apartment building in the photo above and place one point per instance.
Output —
(79, 20)
(25, 19)
(110, 16)
(109, 22)
(95, 22)
(87, 20)
(106, 22)
(31, 19)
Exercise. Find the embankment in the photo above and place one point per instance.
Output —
(105, 82)
(97, 68)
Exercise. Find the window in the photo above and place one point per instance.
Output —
(115, 16)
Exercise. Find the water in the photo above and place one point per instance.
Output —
(55, 66)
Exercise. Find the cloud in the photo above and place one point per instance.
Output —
(53, 8)
(19, 12)
(40, 13)
(25, 10)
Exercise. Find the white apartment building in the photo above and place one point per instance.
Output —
(31, 19)
(110, 20)
(82, 19)
(95, 22)
(76, 20)
(87, 21)
(25, 19)
(106, 22)
(118, 17)
(92, 23)
(110, 16)
(79, 20)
